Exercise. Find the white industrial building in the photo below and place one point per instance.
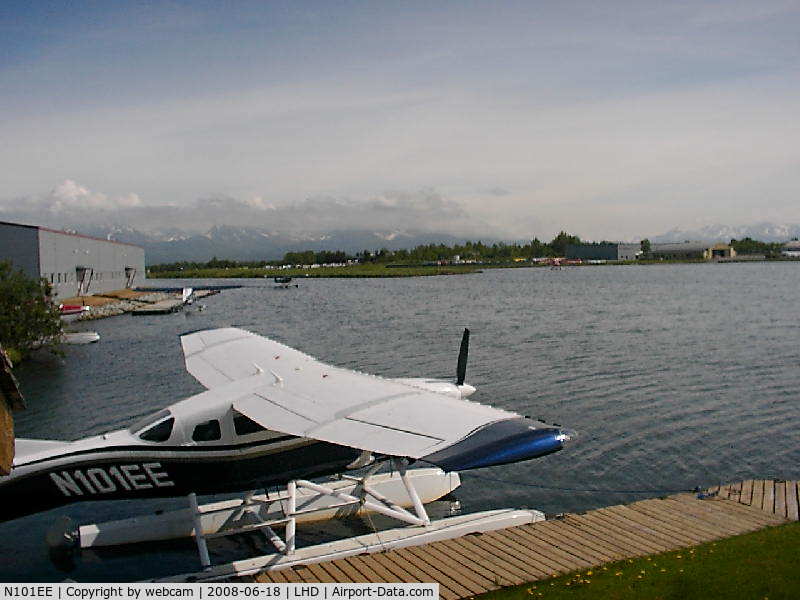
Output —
(791, 249)
(75, 265)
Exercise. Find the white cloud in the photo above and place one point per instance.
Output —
(259, 202)
(73, 205)
(70, 195)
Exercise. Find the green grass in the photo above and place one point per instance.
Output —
(760, 565)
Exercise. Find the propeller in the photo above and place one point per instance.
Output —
(461, 369)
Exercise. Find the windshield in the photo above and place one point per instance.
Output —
(148, 420)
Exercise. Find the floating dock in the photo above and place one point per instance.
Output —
(170, 305)
(478, 563)
(162, 307)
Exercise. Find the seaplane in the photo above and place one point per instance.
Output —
(283, 282)
(272, 415)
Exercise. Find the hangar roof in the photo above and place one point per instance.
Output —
(80, 235)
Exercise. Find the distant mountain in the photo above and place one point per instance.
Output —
(765, 232)
(250, 243)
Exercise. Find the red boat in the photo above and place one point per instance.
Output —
(70, 312)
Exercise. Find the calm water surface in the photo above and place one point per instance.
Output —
(674, 376)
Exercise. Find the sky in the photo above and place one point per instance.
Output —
(613, 120)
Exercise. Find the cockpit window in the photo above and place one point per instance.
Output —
(244, 425)
(159, 432)
(148, 420)
(207, 432)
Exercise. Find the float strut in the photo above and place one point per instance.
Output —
(291, 524)
(401, 464)
(202, 547)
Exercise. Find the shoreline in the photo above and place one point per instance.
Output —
(389, 270)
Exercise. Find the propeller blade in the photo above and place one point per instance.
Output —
(461, 369)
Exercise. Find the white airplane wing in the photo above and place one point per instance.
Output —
(293, 393)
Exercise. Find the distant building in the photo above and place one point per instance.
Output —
(75, 265)
(603, 251)
(692, 250)
(791, 249)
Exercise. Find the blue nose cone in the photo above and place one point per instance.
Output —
(499, 443)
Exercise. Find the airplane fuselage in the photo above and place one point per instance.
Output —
(125, 468)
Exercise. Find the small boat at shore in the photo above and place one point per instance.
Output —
(71, 312)
(81, 337)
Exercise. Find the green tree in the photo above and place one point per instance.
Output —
(646, 246)
(561, 241)
(28, 318)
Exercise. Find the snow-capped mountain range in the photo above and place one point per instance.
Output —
(764, 232)
(253, 243)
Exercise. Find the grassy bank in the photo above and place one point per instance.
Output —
(367, 270)
(382, 270)
(760, 565)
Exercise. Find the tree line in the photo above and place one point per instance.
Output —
(477, 251)
(427, 253)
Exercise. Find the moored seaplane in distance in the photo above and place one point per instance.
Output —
(272, 415)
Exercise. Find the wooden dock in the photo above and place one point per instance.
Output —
(478, 563)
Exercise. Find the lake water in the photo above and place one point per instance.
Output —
(675, 376)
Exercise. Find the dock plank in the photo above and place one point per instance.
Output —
(365, 568)
(758, 493)
(550, 561)
(321, 575)
(669, 534)
(743, 511)
(708, 513)
(353, 574)
(499, 577)
(480, 583)
(396, 570)
(768, 502)
(792, 502)
(335, 572)
(666, 522)
(662, 509)
(780, 498)
(498, 565)
(633, 529)
(610, 527)
(422, 575)
(665, 536)
(368, 563)
(575, 537)
(571, 559)
(565, 542)
(305, 573)
(270, 577)
(530, 571)
(746, 497)
(613, 543)
(292, 576)
(439, 571)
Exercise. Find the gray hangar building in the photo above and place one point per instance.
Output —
(75, 265)
(604, 251)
